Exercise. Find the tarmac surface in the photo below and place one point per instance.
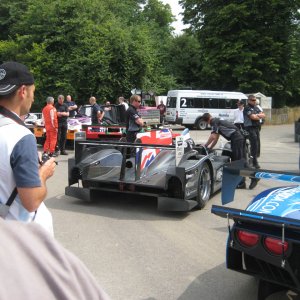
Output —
(138, 253)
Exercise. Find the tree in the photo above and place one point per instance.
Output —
(245, 45)
(185, 61)
(94, 47)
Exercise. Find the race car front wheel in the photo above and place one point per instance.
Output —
(204, 186)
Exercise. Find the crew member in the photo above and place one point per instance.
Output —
(134, 121)
(62, 116)
(71, 106)
(49, 115)
(252, 117)
(97, 111)
(231, 133)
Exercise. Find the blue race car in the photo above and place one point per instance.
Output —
(264, 239)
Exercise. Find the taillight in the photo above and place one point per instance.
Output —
(275, 246)
(247, 239)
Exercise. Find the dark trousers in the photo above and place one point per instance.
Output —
(254, 138)
(62, 136)
(237, 148)
(131, 136)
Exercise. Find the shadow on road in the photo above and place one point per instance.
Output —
(220, 283)
(115, 206)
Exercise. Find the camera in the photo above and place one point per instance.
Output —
(45, 157)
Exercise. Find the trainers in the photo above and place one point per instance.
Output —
(53, 154)
(253, 183)
(63, 153)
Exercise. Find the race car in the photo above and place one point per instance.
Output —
(181, 176)
(264, 239)
(112, 127)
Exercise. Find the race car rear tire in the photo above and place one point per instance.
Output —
(204, 186)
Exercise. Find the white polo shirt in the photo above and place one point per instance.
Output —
(18, 165)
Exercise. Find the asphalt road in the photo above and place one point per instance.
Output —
(138, 253)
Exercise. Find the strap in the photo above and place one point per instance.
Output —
(4, 208)
(12, 197)
(7, 113)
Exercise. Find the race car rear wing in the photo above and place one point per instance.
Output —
(233, 173)
(253, 217)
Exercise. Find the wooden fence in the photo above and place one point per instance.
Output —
(286, 115)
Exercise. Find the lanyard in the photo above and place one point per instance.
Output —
(7, 113)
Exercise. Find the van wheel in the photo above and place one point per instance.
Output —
(201, 124)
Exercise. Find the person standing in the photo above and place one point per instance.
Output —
(71, 106)
(231, 133)
(123, 102)
(162, 111)
(62, 117)
(261, 122)
(49, 116)
(252, 117)
(134, 122)
(238, 115)
(22, 179)
(97, 111)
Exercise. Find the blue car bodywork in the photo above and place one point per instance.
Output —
(264, 239)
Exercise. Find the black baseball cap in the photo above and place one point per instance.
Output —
(13, 75)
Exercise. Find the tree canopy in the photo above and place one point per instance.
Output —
(106, 48)
(91, 47)
(248, 46)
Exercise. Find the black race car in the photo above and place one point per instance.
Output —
(181, 176)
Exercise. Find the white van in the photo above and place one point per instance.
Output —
(186, 107)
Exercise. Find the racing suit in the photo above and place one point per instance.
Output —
(49, 115)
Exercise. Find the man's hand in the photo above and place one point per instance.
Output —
(47, 169)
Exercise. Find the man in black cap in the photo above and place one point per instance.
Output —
(22, 179)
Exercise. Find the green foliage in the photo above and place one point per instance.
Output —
(91, 47)
(106, 48)
(245, 45)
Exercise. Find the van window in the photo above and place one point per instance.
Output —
(171, 102)
(211, 103)
(225, 103)
(186, 102)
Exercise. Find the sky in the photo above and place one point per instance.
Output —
(176, 9)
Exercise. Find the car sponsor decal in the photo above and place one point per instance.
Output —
(282, 201)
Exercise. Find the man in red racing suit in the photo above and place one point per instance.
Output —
(50, 120)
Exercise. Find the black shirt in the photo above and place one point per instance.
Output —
(251, 110)
(131, 116)
(62, 108)
(225, 128)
